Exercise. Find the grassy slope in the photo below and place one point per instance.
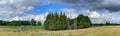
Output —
(36, 31)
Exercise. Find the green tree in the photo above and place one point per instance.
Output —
(39, 23)
(24, 22)
(3, 23)
(108, 23)
(83, 21)
(56, 22)
(48, 21)
(33, 22)
(14, 23)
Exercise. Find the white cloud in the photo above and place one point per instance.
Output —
(16, 18)
(94, 14)
(97, 17)
(14, 10)
(10, 8)
(39, 17)
(70, 13)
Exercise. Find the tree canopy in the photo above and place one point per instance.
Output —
(55, 21)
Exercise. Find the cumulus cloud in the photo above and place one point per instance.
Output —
(111, 5)
(28, 17)
(94, 15)
(10, 8)
(14, 8)
(70, 13)
(97, 17)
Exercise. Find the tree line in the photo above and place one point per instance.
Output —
(20, 22)
(55, 21)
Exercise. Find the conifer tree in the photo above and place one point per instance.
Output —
(33, 22)
(55, 21)
(39, 23)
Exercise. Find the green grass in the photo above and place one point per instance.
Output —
(16, 28)
(39, 31)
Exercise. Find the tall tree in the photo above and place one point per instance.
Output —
(55, 21)
(48, 21)
(33, 22)
(39, 23)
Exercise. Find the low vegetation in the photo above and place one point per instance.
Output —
(40, 31)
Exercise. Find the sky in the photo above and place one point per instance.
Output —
(99, 11)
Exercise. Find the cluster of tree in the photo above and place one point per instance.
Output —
(18, 23)
(82, 22)
(55, 21)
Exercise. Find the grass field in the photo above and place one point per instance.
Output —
(39, 31)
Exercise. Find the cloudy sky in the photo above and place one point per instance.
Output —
(99, 11)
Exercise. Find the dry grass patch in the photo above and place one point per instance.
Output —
(92, 31)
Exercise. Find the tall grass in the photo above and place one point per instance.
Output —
(39, 31)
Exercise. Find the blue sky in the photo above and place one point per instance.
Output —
(51, 7)
(98, 11)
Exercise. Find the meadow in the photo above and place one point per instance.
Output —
(40, 31)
